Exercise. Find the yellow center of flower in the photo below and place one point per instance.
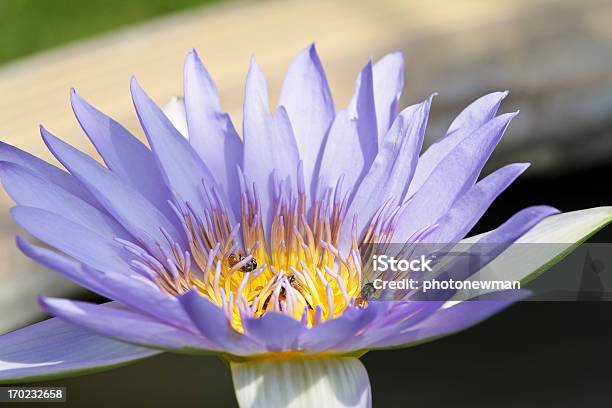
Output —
(294, 268)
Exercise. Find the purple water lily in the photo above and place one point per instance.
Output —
(250, 247)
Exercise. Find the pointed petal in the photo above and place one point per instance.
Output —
(474, 116)
(55, 349)
(73, 239)
(215, 326)
(392, 169)
(132, 291)
(478, 112)
(307, 98)
(516, 226)
(331, 334)
(269, 143)
(184, 172)
(142, 219)
(451, 178)
(302, 382)
(276, 331)
(470, 207)
(120, 324)
(177, 115)
(28, 189)
(48, 172)
(396, 316)
(352, 143)
(388, 85)
(343, 155)
(362, 105)
(123, 154)
(211, 132)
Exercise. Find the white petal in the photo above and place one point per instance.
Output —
(302, 382)
(175, 111)
(525, 262)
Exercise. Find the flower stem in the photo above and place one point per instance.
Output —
(306, 381)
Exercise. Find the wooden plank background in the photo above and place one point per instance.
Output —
(554, 56)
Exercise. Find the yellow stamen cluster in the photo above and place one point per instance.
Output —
(294, 268)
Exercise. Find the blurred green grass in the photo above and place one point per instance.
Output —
(28, 26)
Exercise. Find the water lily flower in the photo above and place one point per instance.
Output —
(249, 247)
